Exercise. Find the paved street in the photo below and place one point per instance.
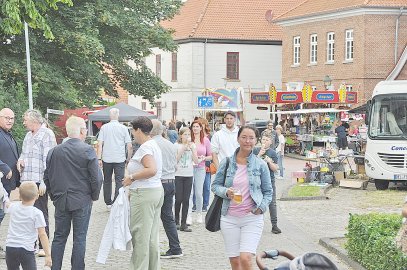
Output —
(303, 223)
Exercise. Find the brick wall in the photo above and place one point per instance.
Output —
(373, 59)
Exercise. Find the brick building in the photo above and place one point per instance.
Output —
(356, 42)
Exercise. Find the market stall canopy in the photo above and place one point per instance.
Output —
(306, 111)
(360, 109)
(127, 113)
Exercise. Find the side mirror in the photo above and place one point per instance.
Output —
(368, 108)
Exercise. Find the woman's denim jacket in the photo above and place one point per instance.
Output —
(259, 181)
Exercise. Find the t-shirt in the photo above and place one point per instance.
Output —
(281, 140)
(271, 154)
(185, 164)
(203, 150)
(241, 182)
(150, 147)
(24, 222)
(114, 136)
(341, 131)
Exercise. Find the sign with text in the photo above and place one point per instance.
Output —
(284, 97)
(205, 102)
(55, 111)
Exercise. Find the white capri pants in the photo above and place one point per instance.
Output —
(241, 234)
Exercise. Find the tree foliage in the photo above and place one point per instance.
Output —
(13, 13)
(70, 69)
(90, 35)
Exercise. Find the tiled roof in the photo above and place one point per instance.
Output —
(314, 7)
(229, 19)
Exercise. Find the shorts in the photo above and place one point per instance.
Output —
(241, 234)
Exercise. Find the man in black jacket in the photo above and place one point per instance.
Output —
(73, 180)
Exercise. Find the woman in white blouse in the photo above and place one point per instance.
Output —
(146, 197)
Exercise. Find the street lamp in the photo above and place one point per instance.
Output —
(27, 54)
(327, 81)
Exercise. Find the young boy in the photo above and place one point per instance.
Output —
(26, 224)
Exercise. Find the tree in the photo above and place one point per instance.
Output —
(13, 13)
(69, 70)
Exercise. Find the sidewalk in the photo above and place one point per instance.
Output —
(204, 250)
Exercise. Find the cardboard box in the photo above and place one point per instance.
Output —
(339, 175)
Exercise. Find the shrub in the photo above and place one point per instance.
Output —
(371, 241)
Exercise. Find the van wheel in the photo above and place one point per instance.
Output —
(381, 184)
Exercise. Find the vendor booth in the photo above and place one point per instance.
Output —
(214, 102)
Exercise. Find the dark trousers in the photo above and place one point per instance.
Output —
(167, 218)
(108, 169)
(20, 256)
(273, 205)
(80, 222)
(183, 186)
(42, 204)
(206, 191)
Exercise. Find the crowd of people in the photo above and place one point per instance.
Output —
(171, 161)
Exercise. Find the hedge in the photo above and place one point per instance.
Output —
(371, 241)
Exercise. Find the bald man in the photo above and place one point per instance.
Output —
(8, 151)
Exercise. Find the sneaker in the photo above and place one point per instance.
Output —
(41, 253)
(194, 208)
(185, 229)
(170, 255)
(178, 227)
(189, 220)
(275, 229)
(205, 209)
(199, 218)
(2, 253)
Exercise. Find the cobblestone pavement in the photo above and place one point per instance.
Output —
(303, 223)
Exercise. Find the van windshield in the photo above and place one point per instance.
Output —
(388, 117)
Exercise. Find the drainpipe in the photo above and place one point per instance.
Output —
(397, 36)
(206, 41)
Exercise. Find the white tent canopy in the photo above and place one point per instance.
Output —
(307, 111)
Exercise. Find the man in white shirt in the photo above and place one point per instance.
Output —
(224, 142)
(114, 139)
(280, 151)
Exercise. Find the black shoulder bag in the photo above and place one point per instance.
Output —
(212, 218)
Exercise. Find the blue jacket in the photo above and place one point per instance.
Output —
(259, 180)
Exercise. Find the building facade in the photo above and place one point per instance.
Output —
(357, 43)
(222, 43)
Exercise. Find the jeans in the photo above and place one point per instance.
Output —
(183, 186)
(1, 214)
(273, 205)
(80, 221)
(42, 204)
(20, 256)
(199, 179)
(280, 164)
(206, 192)
(167, 218)
(108, 169)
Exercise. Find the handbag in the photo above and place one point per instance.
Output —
(401, 238)
(212, 218)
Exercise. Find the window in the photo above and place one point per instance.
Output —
(313, 49)
(174, 72)
(159, 110)
(144, 105)
(330, 47)
(174, 110)
(232, 65)
(296, 50)
(349, 88)
(349, 45)
(158, 65)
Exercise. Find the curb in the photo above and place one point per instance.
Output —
(284, 195)
(327, 243)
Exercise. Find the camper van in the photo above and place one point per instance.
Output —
(386, 148)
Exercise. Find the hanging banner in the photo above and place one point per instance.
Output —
(225, 98)
(305, 96)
